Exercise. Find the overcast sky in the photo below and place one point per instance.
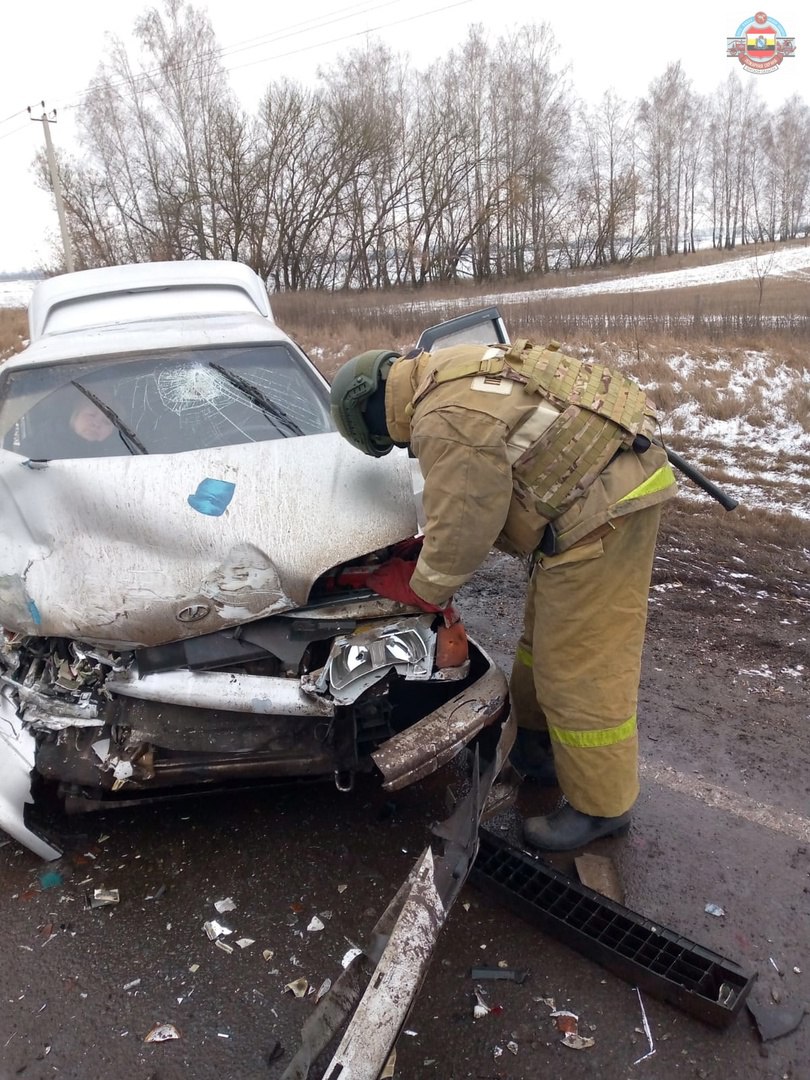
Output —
(52, 49)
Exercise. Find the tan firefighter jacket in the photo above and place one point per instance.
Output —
(511, 438)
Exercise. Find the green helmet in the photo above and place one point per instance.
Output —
(356, 382)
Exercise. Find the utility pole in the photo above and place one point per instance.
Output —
(46, 120)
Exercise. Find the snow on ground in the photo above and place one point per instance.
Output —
(765, 465)
(790, 263)
(793, 262)
(755, 375)
(16, 293)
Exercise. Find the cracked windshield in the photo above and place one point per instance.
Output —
(161, 404)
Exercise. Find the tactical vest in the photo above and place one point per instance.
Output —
(600, 413)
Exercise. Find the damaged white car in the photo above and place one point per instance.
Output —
(184, 543)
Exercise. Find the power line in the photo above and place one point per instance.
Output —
(240, 46)
(348, 37)
(13, 116)
(249, 43)
(279, 36)
(14, 131)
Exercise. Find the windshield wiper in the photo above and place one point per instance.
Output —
(257, 398)
(128, 436)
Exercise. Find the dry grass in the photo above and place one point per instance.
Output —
(13, 331)
(706, 526)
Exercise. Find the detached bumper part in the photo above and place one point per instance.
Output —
(377, 991)
(436, 739)
(663, 963)
(232, 692)
(17, 748)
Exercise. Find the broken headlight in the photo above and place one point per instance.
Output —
(359, 660)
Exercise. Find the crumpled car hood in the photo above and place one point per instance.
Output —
(144, 550)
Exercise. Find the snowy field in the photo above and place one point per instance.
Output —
(15, 293)
(791, 263)
(763, 453)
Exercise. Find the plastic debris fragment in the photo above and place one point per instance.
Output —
(131, 985)
(323, 989)
(505, 973)
(298, 987)
(483, 1008)
(220, 944)
(390, 1065)
(101, 749)
(714, 909)
(162, 1033)
(227, 904)
(578, 1042)
(342, 888)
(245, 942)
(215, 930)
(647, 1031)
(315, 924)
(349, 956)
(512, 1047)
(566, 1021)
(268, 954)
(103, 898)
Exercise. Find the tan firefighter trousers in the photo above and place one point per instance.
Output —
(578, 663)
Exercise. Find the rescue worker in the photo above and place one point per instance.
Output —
(536, 453)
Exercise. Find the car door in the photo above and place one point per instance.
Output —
(482, 327)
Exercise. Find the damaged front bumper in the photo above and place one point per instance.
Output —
(99, 733)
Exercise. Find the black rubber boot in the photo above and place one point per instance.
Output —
(532, 756)
(567, 829)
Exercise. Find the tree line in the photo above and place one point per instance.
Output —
(485, 165)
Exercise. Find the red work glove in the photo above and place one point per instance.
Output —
(393, 580)
(408, 549)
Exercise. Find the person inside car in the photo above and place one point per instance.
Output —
(89, 422)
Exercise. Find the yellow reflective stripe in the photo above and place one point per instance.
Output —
(451, 582)
(523, 655)
(660, 479)
(605, 737)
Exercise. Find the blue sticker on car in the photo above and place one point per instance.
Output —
(212, 497)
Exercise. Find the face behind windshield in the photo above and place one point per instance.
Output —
(161, 404)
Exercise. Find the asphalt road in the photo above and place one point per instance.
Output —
(723, 819)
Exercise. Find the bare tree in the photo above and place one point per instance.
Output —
(381, 174)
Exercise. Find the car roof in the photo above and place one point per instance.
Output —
(139, 337)
(112, 295)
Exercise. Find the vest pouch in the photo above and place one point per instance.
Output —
(525, 524)
(563, 463)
